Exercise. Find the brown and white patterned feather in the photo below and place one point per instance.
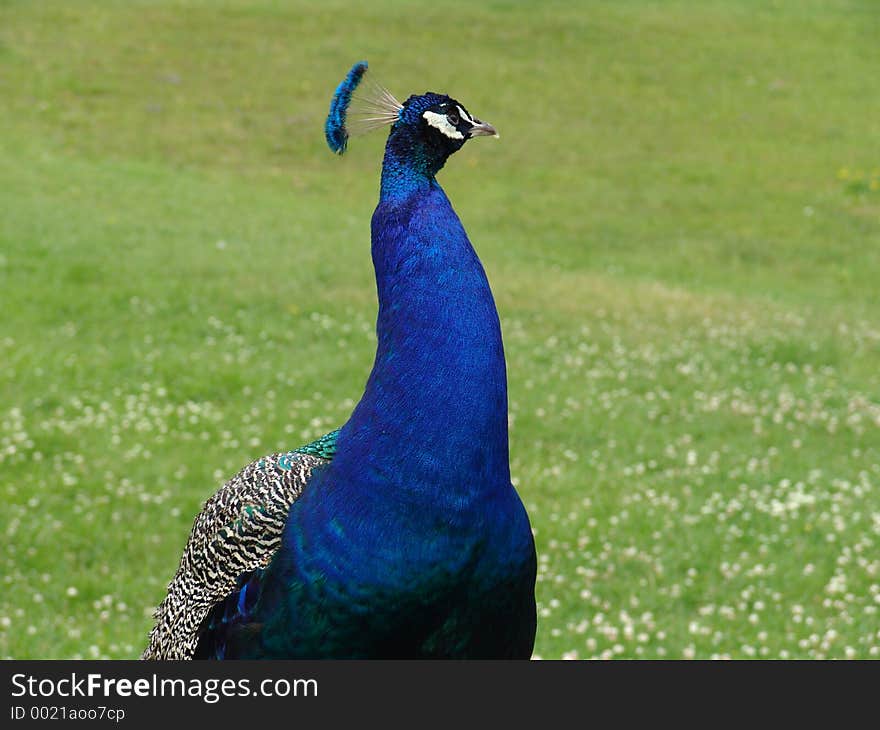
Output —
(238, 530)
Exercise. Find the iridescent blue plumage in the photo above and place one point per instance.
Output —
(411, 541)
(335, 128)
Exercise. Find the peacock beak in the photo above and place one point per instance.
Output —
(482, 129)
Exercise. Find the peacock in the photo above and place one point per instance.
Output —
(399, 535)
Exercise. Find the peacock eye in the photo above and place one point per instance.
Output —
(453, 118)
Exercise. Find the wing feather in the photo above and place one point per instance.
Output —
(238, 531)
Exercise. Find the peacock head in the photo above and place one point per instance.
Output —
(439, 123)
(426, 128)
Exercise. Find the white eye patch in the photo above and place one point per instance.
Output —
(439, 121)
(463, 114)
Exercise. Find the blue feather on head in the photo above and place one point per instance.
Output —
(335, 129)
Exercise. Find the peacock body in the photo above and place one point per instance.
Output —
(400, 535)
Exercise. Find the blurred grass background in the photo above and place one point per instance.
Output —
(681, 224)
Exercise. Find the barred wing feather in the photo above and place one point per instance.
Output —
(238, 531)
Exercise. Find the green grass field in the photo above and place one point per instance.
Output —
(681, 224)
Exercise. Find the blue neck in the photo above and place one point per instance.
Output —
(433, 417)
(410, 164)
